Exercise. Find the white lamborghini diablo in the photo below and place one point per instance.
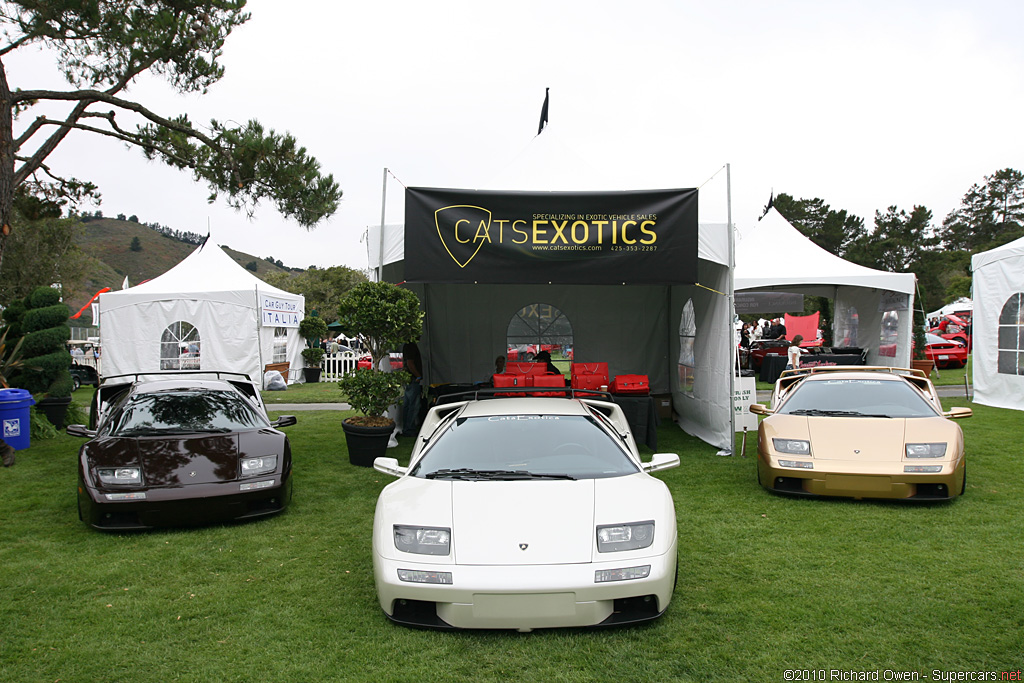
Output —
(523, 513)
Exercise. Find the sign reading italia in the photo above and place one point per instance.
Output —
(467, 236)
(280, 312)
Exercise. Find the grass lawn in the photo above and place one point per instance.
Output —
(767, 584)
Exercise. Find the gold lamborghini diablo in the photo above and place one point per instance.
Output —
(860, 432)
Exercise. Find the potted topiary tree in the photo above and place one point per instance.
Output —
(384, 316)
(312, 328)
(45, 330)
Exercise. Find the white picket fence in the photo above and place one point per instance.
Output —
(337, 364)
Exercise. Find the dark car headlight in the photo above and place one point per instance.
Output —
(613, 538)
(252, 467)
(120, 475)
(423, 540)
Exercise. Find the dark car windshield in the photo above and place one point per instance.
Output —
(524, 447)
(184, 412)
(856, 398)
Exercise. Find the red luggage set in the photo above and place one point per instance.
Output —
(591, 376)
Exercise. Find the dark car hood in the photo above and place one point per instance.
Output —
(181, 461)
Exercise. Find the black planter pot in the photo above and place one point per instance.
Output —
(54, 408)
(311, 375)
(366, 444)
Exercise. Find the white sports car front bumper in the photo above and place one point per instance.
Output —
(525, 597)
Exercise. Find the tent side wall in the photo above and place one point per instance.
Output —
(231, 337)
(130, 332)
(704, 407)
(997, 279)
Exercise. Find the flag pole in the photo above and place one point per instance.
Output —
(732, 312)
(383, 205)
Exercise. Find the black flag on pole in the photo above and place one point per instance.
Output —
(543, 113)
(768, 207)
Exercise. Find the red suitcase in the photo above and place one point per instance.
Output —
(633, 385)
(589, 375)
(509, 380)
(526, 368)
(547, 381)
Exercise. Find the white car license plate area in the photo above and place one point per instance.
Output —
(533, 605)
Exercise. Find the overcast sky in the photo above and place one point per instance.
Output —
(863, 104)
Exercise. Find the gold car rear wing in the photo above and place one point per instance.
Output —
(915, 377)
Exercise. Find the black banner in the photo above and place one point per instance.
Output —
(466, 236)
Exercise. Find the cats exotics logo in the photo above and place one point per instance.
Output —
(464, 229)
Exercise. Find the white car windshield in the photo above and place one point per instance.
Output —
(184, 412)
(513, 447)
(856, 398)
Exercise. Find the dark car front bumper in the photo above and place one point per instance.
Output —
(183, 506)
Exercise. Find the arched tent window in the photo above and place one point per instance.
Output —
(1011, 336)
(280, 354)
(687, 334)
(180, 347)
(539, 327)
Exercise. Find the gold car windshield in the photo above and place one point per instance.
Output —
(517, 447)
(856, 398)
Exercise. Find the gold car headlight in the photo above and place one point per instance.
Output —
(926, 450)
(792, 446)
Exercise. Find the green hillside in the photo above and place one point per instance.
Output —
(107, 245)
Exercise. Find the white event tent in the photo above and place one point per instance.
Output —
(206, 313)
(678, 335)
(998, 326)
(872, 307)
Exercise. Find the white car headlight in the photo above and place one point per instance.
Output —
(423, 540)
(926, 450)
(120, 475)
(255, 466)
(792, 446)
(613, 538)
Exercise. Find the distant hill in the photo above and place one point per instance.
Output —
(107, 244)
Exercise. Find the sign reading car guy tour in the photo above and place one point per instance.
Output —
(280, 312)
(465, 236)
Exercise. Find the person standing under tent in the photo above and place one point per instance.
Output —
(412, 363)
(793, 354)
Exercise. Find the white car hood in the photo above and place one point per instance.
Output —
(523, 522)
(557, 520)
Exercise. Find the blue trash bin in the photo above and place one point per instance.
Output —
(14, 417)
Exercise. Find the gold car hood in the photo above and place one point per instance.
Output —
(867, 439)
(864, 439)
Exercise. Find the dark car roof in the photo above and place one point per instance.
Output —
(146, 387)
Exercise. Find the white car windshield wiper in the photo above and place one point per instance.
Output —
(503, 475)
(836, 413)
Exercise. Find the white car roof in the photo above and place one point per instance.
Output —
(521, 405)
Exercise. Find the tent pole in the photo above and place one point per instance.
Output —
(731, 306)
(383, 204)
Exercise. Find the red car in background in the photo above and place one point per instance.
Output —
(954, 328)
(945, 353)
(527, 352)
(367, 362)
(759, 348)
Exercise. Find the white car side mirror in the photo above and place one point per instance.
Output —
(389, 466)
(661, 461)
